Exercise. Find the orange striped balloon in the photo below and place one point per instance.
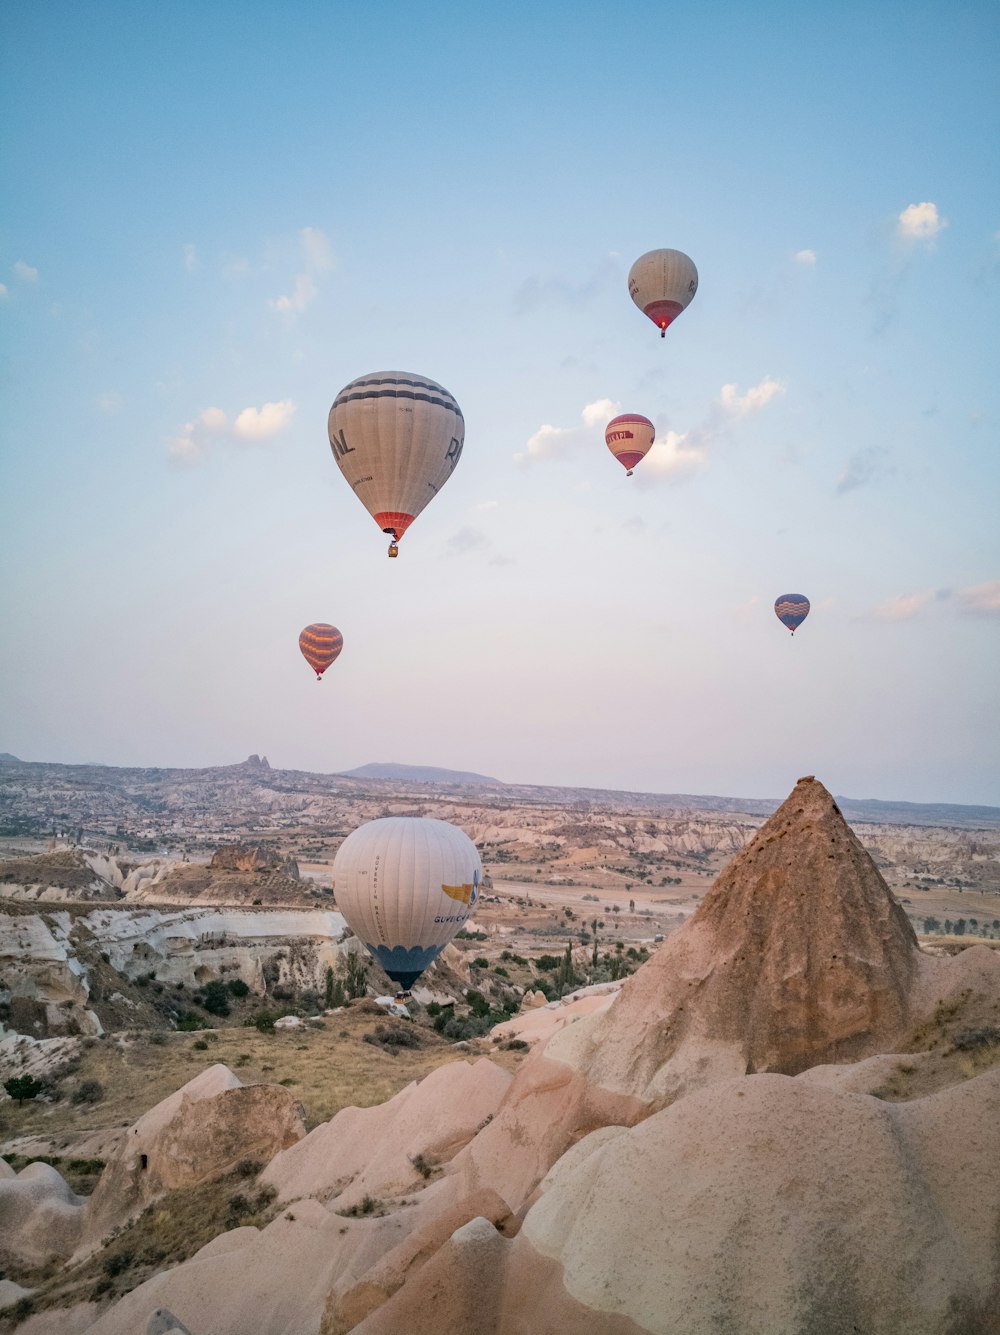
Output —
(321, 645)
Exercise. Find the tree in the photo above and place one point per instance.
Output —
(23, 1087)
(931, 925)
(357, 976)
(216, 999)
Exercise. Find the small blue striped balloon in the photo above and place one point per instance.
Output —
(791, 609)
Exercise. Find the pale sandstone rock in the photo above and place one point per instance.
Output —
(368, 1151)
(798, 955)
(203, 1130)
(40, 1218)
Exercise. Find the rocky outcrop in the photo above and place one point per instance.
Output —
(798, 955)
(40, 1218)
(371, 1151)
(251, 858)
(203, 1130)
(763, 1206)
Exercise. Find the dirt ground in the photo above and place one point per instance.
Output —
(327, 1067)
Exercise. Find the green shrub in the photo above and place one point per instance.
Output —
(88, 1091)
(238, 987)
(200, 1045)
(190, 1021)
(216, 998)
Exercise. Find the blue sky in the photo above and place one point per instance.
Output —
(216, 216)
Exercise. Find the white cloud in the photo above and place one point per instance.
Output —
(235, 266)
(25, 272)
(302, 295)
(193, 438)
(488, 505)
(467, 539)
(558, 442)
(109, 402)
(902, 607)
(263, 423)
(862, 467)
(741, 405)
(317, 258)
(981, 599)
(676, 455)
(920, 222)
(191, 261)
(807, 257)
(316, 249)
(3, 291)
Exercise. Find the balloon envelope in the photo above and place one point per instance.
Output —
(791, 609)
(396, 438)
(406, 884)
(662, 284)
(321, 645)
(629, 437)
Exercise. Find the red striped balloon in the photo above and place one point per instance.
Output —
(321, 645)
(629, 438)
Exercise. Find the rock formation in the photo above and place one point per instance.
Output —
(251, 858)
(798, 955)
(40, 1218)
(203, 1130)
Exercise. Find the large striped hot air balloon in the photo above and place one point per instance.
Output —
(662, 283)
(791, 609)
(406, 884)
(396, 438)
(629, 437)
(321, 645)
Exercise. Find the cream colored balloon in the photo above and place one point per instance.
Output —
(662, 283)
(396, 438)
(406, 884)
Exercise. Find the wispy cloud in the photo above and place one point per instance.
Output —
(560, 442)
(109, 402)
(806, 257)
(191, 261)
(903, 607)
(26, 272)
(981, 599)
(316, 259)
(3, 292)
(467, 539)
(920, 222)
(864, 466)
(488, 505)
(535, 292)
(194, 438)
(757, 397)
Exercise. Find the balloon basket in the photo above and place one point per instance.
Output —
(393, 549)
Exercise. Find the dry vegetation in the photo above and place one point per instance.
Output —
(328, 1065)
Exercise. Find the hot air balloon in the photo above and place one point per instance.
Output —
(662, 283)
(406, 884)
(396, 437)
(321, 645)
(791, 609)
(629, 438)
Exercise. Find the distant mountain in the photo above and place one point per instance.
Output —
(6, 755)
(418, 774)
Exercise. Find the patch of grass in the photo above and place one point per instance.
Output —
(368, 1206)
(166, 1233)
(334, 1070)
